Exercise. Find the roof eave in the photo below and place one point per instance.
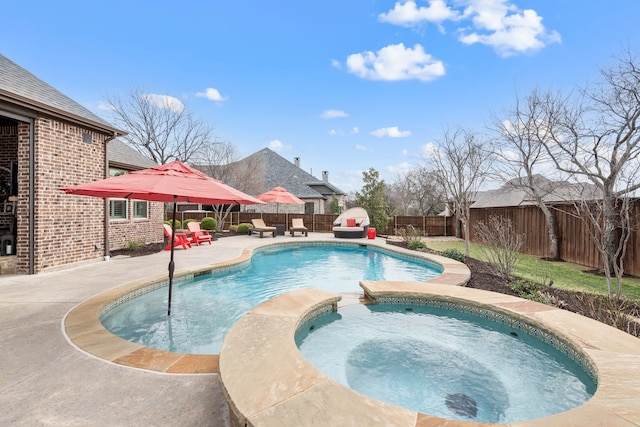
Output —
(65, 115)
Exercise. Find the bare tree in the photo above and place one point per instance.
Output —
(597, 137)
(417, 192)
(462, 162)
(520, 137)
(502, 244)
(399, 195)
(160, 127)
(428, 193)
(219, 161)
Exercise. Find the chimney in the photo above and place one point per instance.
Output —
(325, 176)
(296, 161)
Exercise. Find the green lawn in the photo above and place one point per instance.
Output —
(565, 275)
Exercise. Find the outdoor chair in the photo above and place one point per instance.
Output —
(181, 239)
(297, 224)
(260, 227)
(352, 223)
(197, 234)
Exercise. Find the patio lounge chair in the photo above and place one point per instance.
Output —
(260, 227)
(352, 223)
(197, 234)
(297, 224)
(181, 239)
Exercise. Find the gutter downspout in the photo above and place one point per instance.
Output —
(107, 244)
(32, 197)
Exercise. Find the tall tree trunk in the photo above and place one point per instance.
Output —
(609, 218)
(467, 237)
(554, 246)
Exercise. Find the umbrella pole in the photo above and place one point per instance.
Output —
(171, 263)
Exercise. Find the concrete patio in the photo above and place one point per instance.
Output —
(45, 380)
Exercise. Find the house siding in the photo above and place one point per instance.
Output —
(67, 228)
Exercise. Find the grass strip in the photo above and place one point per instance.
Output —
(565, 275)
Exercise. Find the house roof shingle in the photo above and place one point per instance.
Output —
(513, 194)
(122, 155)
(19, 87)
(280, 172)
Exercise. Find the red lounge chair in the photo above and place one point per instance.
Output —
(197, 234)
(181, 239)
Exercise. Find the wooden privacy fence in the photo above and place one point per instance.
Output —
(575, 244)
(427, 225)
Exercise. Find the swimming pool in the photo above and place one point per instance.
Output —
(203, 309)
(446, 363)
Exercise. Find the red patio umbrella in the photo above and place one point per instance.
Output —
(279, 195)
(173, 182)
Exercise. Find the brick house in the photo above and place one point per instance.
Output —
(131, 220)
(48, 141)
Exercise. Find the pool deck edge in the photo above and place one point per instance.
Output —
(615, 354)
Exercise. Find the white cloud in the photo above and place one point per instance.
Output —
(338, 132)
(400, 169)
(333, 114)
(164, 101)
(390, 132)
(429, 150)
(361, 147)
(499, 24)
(408, 14)
(496, 23)
(336, 64)
(105, 106)
(212, 94)
(395, 62)
(277, 146)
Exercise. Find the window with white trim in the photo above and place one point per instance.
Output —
(140, 209)
(117, 208)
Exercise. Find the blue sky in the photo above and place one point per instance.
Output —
(343, 84)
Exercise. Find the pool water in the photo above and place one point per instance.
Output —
(444, 363)
(204, 309)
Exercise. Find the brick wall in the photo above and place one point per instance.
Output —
(67, 228)
(121, 232)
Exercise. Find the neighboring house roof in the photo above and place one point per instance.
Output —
(512, 193)
(122, 155)
(279, 172)
(21, 88)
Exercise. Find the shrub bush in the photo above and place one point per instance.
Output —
(170, 223)
(243, 228)
(208, 223)
(416, 243)
(187, 221)
(134, 245)
(233, 228)
(502, 244)
(453, 254)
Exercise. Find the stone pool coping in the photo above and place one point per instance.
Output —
(268, 382)
(615, 354)
(83, 327)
